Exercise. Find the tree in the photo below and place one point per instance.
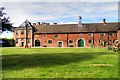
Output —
(4, 22)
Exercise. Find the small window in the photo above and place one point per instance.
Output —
(28, 40)
(44, 35)
(49, 41)
(16, 32)
(81, 34)
(56, 36)
(90, 34)
(16, 40)
(111, 34)
(70, 41)
(102, 34)
(89, 41)
(22, 32)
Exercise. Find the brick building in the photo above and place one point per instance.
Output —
(68, 35)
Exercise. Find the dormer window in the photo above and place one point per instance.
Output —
(102, 34)
(71, 41)
(111, 34)
(90, 34)
(80, 34)
(44, 35)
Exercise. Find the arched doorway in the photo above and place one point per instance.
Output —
(60, 44)
(37, 42)
(80, 43)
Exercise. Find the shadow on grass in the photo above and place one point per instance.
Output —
(21, 61)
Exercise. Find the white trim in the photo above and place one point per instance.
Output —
(77, 42)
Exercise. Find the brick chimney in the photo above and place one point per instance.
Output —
(47, 23)
(104, 21)
(43, 23)
(55, 23)
(38, 23)
(34, 23)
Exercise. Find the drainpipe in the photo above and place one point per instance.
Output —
(67, 40)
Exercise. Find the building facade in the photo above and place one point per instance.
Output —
(68, 35)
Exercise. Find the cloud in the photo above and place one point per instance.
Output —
(60, 11)
(60, 1)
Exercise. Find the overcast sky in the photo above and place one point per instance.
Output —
(60, 12)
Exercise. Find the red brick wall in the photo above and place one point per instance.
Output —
(75, 38)
(64, 39)
(118, 35)
(20, 36)
(44, 40)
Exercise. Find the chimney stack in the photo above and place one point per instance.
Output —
(47, 23)
(34, 23)
(55, 23)
(38, 23)
(104, 21)
(43, 23)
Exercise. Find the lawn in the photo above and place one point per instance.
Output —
(59, 63)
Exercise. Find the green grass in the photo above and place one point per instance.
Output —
(59, 63)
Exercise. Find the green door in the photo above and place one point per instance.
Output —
(80, 43)
(22, 44)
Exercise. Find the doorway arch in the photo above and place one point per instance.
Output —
(80, 43)
(37, 42)
(60, 44)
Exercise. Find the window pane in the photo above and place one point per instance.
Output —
(111, 34)
(70, 41)
(89, 41)
(22, 32)
(50, 41)
(90, 34)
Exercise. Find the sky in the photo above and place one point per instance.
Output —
(62, 12)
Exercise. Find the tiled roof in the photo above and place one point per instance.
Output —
(73, 28)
